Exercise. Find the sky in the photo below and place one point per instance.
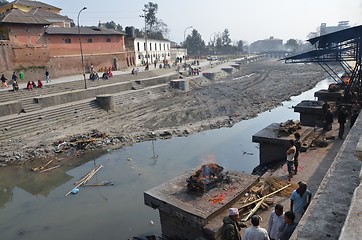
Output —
(246, 20)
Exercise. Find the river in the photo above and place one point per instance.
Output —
(33, 205)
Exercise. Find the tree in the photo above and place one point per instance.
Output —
(225, 39)
(292, 44)
(239, 45)
(194, 43)
(156, 27)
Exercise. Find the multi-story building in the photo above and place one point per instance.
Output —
(324, 29)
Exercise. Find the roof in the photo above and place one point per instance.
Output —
(316, 55)
(35, 4)
(49, 16)
(15, 16)
(83, 31)
(337, 37)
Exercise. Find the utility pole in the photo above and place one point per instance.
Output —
(81, 49)
(146, 44)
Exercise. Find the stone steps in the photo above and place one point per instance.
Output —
(40, 120)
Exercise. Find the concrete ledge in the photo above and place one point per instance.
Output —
(208, 75)
(352, 228)
(229, 70)
(9, 108)
(77, 95)
(82, 94)
(358, 151)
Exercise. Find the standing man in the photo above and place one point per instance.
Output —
(255, 232)
(328, 120)
(290, 158)
(230, 228)
(299, 200)
(14, 77)
(290, 226)
(47, 76)
(276, 222)
(297, 145)
(342, 118)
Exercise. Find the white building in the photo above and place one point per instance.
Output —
(157, 50)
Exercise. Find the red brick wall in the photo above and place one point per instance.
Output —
(26, 35)
(58, 47)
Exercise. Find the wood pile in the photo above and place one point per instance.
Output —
(288, 127)
(260, 196)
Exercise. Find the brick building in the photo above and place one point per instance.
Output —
(40, 38)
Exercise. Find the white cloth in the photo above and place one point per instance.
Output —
(255, 233)
(276, 225)
(290, 157)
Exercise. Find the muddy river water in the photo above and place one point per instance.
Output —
(34, 207)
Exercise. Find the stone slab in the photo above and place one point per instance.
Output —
(9, 108)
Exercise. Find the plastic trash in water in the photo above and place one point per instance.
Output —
(75, 191)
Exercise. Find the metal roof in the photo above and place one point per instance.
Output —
(83, 31)
(35, 4)
(337, 37)
(15, 16)
(48, 15)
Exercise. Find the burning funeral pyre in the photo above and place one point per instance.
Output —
(207, 177)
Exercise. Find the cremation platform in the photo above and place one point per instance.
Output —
(311, 112)
(273, 146)
(329, 96)
(184, 214)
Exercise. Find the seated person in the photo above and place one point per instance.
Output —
(34, 84)
(105, 75)
(110, 73)
(15, 86)
(40, 84)
(29, 85)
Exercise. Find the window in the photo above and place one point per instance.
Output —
(68, 40)
(155, 46)
(138, 46)
(108, 40)
(90, 40)
(160, 46)
(150, 46)
(144, 46)
(164, 46)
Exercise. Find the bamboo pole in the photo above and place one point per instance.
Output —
(85, 178)
(268, 195)
(257, 206)
(46, 165)
(48, 169)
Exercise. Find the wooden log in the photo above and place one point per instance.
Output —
(48, 169)
(268, 195)
(85, 179)
(254, 210)
(46, 165)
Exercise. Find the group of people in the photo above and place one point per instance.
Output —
(30, 84)
(107, 73)
(281, 225)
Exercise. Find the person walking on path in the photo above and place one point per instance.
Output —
(299, 200)
(231, 228)
(47, 79)
(14, 77)
(290, 158)
(255, 232)
(342, 118)
(297, 145)
(290, 226)
(3, 81)
(276, 223)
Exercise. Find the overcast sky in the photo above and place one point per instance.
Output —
(246, 20)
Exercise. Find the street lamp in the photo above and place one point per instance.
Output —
(144, 16)
(185, 42)
(81, 49)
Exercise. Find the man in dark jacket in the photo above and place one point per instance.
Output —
(342, 118)
(230, 229)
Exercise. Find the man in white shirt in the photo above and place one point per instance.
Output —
(276, 222)
(255, 232)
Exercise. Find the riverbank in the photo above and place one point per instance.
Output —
(257, 87)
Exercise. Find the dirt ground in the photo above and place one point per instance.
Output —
(257, 87)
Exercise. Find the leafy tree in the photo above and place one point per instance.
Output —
(194, 43)
(225, 39)
(292, 44)
(156, 27)
(239, 45)
(3, 2)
